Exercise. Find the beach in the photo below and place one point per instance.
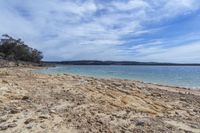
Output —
(63, 103)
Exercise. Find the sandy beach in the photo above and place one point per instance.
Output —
(42, 103)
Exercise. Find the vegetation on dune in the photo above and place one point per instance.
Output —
(15, 49)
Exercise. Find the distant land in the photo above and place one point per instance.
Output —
(97, 62)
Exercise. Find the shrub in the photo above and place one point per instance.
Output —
(16, 49)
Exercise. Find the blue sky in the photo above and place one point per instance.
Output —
(134, 30)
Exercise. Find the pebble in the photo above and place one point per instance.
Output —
(44, 116)
(28, 121)
(156, 95)
(140, 123)
(14, 121)
(143, 122)
(14, 111)
(25, 98)
(3, 127)
(5, 81)
(52, 111)
(3, 119)
(29, 126)
(195, 110)
(43, 126)
(194, 126)
(12, 125)
(6, 126)
(183, 99)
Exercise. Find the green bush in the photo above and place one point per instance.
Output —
(2, 55)
(16, 49)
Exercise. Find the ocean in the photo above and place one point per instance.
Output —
(182, 76)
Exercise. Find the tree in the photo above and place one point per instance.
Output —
(16, 49)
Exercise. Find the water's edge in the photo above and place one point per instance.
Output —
(58, 70)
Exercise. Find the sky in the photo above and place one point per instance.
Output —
(131, 30)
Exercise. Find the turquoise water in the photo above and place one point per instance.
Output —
(185, 76)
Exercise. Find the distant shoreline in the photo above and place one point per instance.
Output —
(96, 62)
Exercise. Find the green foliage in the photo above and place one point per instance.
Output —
(2, 55)
(16, 49)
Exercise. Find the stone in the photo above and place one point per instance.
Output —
(14, 121)
(195, 110)
(140, 123)
(156, 95)
(52, 111)
(11, 125)
(6, 126)
(43, 126)
(3, 119)
(3, 127)
(29, 126)
(14, 111)
(28, 121)
(183, 99)
(194, 126)
(44, 116)
(5, 81)
(25, 98)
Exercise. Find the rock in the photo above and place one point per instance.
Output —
(29, 126)
(12, 64)
(25, 98)
(192, 113)
(194, 126)
(5, 81)
(140, 123)
(3, 127)
(52, 111)
(169, 127)
(14, 111)
(44, 116)
(6, 126)
(19, 117)
(11, 125)
(195, 110)
(3, 119)
(156, 95)
(14, 121)
(183, 99)
(29, 121)
(43, 111)
(43, 126)
(117, 84)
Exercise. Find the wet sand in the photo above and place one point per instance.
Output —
(33, 102)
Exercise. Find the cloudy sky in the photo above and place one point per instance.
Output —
(137, 30)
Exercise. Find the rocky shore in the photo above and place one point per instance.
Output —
(6, 63)
(42, 103)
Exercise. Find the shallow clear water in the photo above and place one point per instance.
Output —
(186, 76)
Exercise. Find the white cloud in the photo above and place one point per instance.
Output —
(186, 53)
(90, 29)
(130, 5)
